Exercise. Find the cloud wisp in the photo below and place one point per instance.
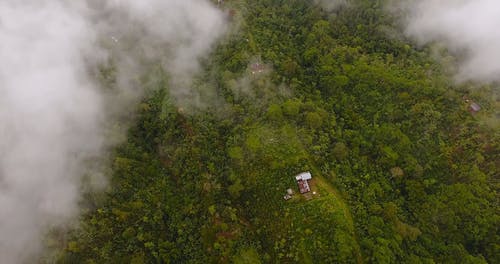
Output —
(52, 110)
(467, 27)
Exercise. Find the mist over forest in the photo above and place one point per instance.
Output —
(264, 131)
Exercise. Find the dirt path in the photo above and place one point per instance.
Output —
(321, 183)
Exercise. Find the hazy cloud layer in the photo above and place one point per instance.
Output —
(52, 112)
(469, 27)
(174, 33)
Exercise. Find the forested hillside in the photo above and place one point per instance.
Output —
(402, 171)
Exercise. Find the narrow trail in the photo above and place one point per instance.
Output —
(323, 184)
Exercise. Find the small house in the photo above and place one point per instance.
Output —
(474, 108)
(288, 195)
(257, 68)
(303, 182)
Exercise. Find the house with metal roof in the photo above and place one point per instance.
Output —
(474, 108)
(303, 181)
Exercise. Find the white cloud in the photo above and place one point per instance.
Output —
(52, 112)
(469, 26)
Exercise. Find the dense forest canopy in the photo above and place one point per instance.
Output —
(403, 171)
